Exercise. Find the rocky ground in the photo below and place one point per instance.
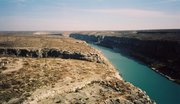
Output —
(44, 46)
(52, 80)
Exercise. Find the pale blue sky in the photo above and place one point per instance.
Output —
(89, 14)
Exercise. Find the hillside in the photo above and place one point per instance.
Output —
(53, 69)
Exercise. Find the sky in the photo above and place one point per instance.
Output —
(70, 15)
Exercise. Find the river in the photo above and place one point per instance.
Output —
(160, 89)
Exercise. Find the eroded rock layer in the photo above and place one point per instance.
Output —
(159, 49)
(29, 77)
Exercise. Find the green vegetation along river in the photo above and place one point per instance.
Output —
(160, 89)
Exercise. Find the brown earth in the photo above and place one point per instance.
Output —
(51, 80)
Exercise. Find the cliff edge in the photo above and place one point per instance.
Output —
(55, 69)
(159, 49)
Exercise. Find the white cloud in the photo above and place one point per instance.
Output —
(93, 19)
(130, 12)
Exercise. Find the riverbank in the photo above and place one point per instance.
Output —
(36, 69)
(157, 49)
(160, 89)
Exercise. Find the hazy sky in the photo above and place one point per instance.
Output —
(89, 14)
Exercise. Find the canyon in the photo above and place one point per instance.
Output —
(159, 49)
(55, 69)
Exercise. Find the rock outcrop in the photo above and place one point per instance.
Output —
(51, 70)
(158, 49)
(48, 53)
(21, 46)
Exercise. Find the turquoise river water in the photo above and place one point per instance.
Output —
(160, 89)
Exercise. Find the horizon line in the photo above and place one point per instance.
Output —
(96, 30)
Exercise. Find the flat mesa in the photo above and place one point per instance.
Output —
(55, 69)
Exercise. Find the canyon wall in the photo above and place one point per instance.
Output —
(51, 70)
(163, 55)
(48, 53)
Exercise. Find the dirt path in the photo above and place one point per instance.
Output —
(11, 67)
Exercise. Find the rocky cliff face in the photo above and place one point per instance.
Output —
(48, 53)
(41, 47)
(41, 70)
(161, 54)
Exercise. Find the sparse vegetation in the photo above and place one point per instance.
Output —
(56, 80)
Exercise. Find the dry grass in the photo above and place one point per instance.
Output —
(57, 42)
(45, 72)
(56, 80)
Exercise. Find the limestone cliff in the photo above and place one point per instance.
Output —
(158, 49)
(54, 69)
